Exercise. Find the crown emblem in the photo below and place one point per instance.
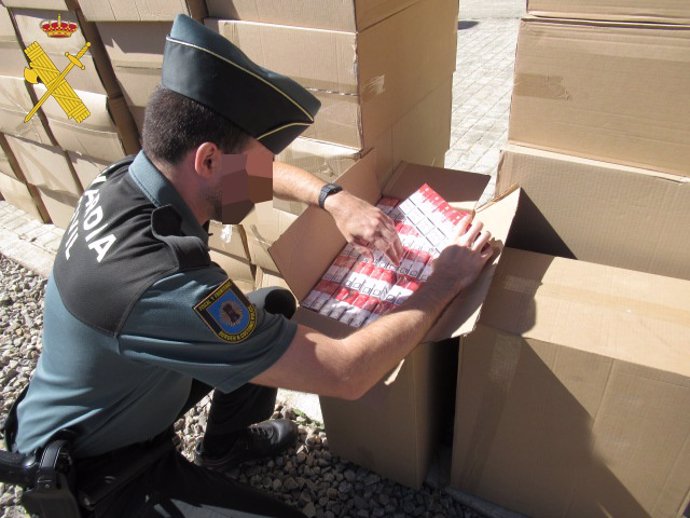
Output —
(58, 28)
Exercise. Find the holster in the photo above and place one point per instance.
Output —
(47, 478)
(46, 475)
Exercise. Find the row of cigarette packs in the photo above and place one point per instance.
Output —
(357, 289)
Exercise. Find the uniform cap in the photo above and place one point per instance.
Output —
(202, 65)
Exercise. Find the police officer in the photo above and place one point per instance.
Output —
(139, 324)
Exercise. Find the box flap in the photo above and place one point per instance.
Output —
(599, 212)
(460, 317)
(631, 316)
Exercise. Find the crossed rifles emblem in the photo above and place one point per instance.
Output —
(42, 68)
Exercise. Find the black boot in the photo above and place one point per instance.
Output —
(265, 439)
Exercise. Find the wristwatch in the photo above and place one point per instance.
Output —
(326, 191)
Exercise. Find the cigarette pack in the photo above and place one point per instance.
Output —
(357, 288)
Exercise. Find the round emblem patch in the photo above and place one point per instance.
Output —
(228, 313)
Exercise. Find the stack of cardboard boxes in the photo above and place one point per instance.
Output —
(383, 74)
(573, 392)
(57, 154)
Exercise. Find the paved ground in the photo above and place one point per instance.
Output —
(487, 33)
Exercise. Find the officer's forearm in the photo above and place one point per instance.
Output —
(349, 367)
(294, 183)
(377, 348)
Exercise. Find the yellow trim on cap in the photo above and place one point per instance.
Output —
(251, 74)
(281, 128)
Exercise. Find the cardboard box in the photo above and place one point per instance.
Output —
(54, 5)
(322, 159)
(16, 102)
(609, 91)
(60, 206)
(599, 212)
(228, 239)
(268, 279)
(5, 165)
(12, 60)
(239, 270)
(409, 395)
(421, 136)
(573, 392)
(660, 11)
(263, 226)
(141, 10)
(108, 133)
(17, 193)
(337, 15)
(86, 167)
(366, 81)
(136, 54)
(47, 168)
(97, 76)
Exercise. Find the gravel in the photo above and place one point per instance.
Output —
(307, 476)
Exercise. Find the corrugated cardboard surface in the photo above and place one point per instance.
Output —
(47, 168)
(659, 11)
(136, 54)
(322, 159)
(17, 193)
(573, 392)
(5, 166)
(613, 92)
(12, 60)
(97, 135)
(97, 76)
(404, 405)
(268, 279)
(421, 136)
(15, 102)
(240, 271)
(59, 5)
(339, 15)
(263, 226)
(229, 239)
(86, 167)
(60, 206)
(366, 81)
(141, 10)
(599, 212)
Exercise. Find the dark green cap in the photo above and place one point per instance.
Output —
(202, 65)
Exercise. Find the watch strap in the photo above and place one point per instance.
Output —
(326, 191)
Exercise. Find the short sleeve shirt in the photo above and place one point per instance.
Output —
(134, 311)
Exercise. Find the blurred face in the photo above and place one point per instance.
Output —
(246, 178)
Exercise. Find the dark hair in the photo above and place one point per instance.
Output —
(175, 124)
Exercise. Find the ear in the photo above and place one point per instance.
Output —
(207, 159)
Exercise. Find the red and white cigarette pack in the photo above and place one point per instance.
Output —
(357, 289)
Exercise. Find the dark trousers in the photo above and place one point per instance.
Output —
(174, 487)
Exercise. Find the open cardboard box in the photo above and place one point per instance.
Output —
(598, 211)
(403, 409)
(573, 392)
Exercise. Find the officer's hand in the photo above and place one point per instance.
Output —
(461, 262)
(364, 225)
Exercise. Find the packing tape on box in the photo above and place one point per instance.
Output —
(540, 86)
(628, 306)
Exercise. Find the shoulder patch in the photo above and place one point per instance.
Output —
(228, 313)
